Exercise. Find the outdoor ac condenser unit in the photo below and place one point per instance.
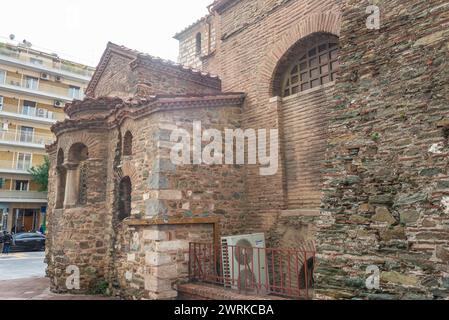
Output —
(245, 262)
(45, 76)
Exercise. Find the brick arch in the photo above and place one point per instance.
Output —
(326, 22)
(67, 140)
(127, 169)
(129, 125)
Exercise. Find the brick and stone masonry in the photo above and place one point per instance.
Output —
(363, 153)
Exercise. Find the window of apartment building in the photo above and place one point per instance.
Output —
(318, 65)
(2, 183)
(36, 61)
(29, 108)
(23, 161)
(1, 103)
(31, 83)
(22, 185)
(26, 134)
(75, 92)
(2, 77)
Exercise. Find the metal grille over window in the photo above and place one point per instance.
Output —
(317, 66)
(83, 182)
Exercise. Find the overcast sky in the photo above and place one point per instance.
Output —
(80, 29)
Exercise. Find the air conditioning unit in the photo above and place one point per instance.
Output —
(58, 104)
(5, 126)
(58, 78)
(41, 112)
(245, 262)
(45, 76)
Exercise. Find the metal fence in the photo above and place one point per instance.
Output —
(255, 271)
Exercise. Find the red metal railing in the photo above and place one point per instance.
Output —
(257, 271)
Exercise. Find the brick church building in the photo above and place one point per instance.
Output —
(362, 116)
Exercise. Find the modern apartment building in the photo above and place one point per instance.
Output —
(34, 87)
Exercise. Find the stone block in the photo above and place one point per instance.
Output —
(165, 295)
(170, 195)
(157, 181)
(154, 234)
(397, 233)
(174, 245)
(409, 216)
(163, 165)
(155, 259)
(383, 215)
(131, 257)
(155, 207)
(399, 278)
(169, 271)
(155, 284)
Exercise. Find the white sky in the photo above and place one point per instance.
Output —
(80, 29)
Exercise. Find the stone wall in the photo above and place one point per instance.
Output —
(79, 235)
(385, 190)
(145, 255)
(386, 172)
(254, 39)
(118, 80)
(188, 54)
(151, 260)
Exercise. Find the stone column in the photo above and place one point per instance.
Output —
(72, 185)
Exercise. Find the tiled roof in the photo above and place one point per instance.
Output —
(134, 57)
(180, 33)
(218, 4)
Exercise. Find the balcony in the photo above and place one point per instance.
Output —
(39, 115)
(8, 166)
(26, 139)
(15, 57)
(17, 87)
(23, 196)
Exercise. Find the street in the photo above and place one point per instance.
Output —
(22, 265)
(22, 277)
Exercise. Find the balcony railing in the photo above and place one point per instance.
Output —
(38, 113)
(251, 270)
(19, 167)
(59, 67)
(26, 196)
(26, 138)
(31, 113)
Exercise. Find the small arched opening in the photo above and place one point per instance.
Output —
(198, 43)
(77, 175)
(128, 144)
(124, 204)
(61, 174)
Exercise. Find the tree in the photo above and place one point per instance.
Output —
(40, 174)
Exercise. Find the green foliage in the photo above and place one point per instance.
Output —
(101, 288)
(375, 136)
(40, 174)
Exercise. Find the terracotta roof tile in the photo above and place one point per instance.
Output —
(135, 55)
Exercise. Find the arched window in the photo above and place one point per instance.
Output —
(77, 180)
(61, 180)
(317, 64)
(128, 144)
(124, 205)
(198, 43)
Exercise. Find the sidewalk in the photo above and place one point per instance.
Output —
(36, 289)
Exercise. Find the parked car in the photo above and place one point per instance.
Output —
(30, 241)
